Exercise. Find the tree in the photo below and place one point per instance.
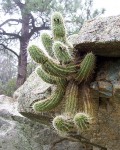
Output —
(7, 74)
(32, 17)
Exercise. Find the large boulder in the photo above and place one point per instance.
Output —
(20, 133)
(33, 88)
(102, 36)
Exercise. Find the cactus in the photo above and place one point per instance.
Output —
(86, 67)
(82, 121)
(47, 43)
(61, 52)
(48, 64)
(62, 70)
(51, 102)
(58, 27)
(63, 124)
(71, 97)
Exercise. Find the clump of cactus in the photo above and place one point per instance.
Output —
(60, 69)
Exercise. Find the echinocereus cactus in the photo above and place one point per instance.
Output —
(62, 71)
(47, 43)
(82, 121)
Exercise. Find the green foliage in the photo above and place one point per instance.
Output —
(64, 75)
(9, 87)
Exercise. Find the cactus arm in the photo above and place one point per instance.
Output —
(61, 82)
(71, 97)
(61, 52)
(47, 43)
(63, 124)
(37, 54)
(50, 102)
(57, 70)
(47, 77)
(86, 67)
(82, 121)
(48, 65)
(58, 27)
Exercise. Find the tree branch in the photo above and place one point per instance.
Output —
(32, 21)
(9, 49)
(19, 4)
(9, 34)
(36, 29)
(9, 20)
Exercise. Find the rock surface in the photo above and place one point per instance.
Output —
(102, 36)
(34, 88)
(20, 133)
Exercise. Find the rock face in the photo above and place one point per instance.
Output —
(20, 133)
(102, 37)
(33, 88)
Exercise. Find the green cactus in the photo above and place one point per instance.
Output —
(47, 42)
(51, 102)
(63, 124)
(86, 67)
(48, 64)
(48, 78)
(61, 52)
(67, 75)
(71, 97)
(82, 121)
(58, 27)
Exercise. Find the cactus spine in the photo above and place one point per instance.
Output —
(65, 75)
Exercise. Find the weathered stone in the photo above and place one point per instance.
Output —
(108, 83)
(104, 88)
(102, 36)
(34, 88)
(20, 133)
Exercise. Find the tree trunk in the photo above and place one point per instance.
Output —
(24, 41)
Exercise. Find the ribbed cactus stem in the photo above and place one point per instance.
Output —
(63, 124)
(61, 52)
(48, 65)
(47, 42)
(86, 67)
(71, 97)
(51, 79)
(50, 102)
(58, 70)
(37, 54)
(58, 27)
(82, 121)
